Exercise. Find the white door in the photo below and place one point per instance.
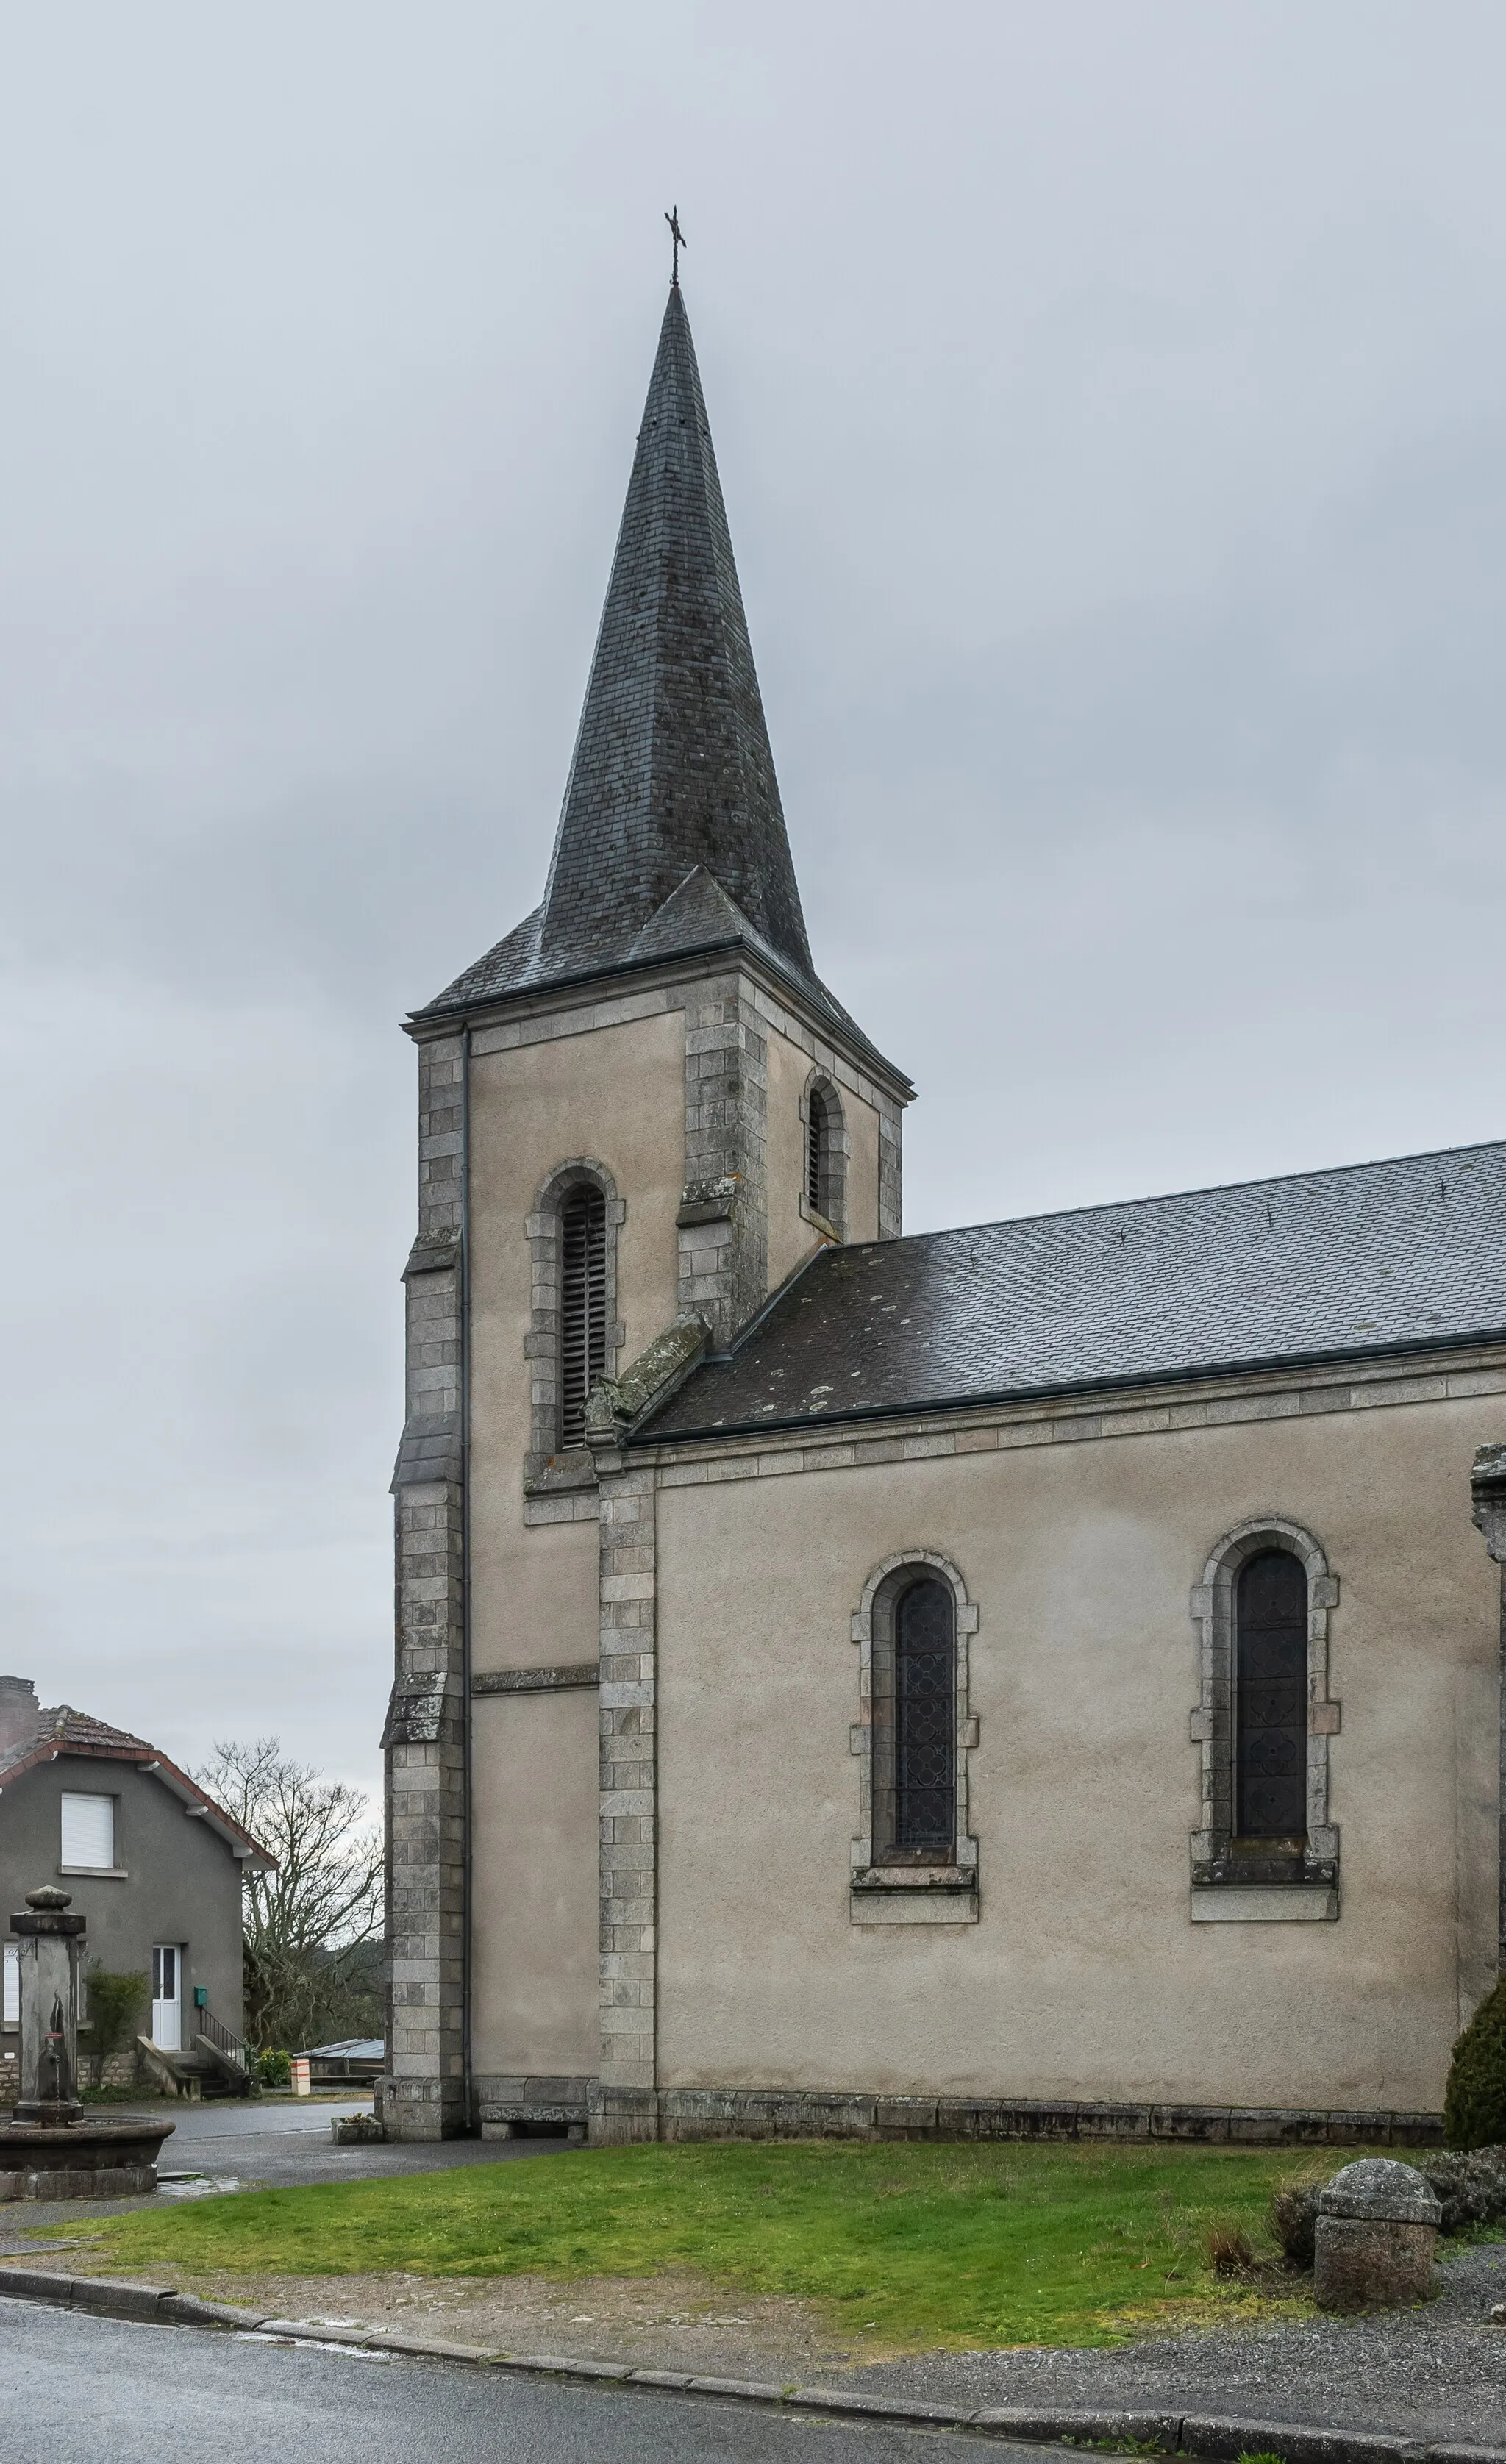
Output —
(167, 1997)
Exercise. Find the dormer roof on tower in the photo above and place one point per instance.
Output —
(672, 836)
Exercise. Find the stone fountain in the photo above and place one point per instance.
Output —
(52, 2146)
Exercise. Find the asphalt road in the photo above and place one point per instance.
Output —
(284, 2143)
(76, 2390)
(260, 2143)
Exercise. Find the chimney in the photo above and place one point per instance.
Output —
(20, 1713)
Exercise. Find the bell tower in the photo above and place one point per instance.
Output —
(640, 1112)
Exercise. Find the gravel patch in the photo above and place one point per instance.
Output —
(1438, 2371)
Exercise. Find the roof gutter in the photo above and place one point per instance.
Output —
(203, 1808)
(994, 1399)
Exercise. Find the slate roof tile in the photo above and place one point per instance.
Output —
(672, 771)
(1371, 1258)
(59, 1729)
(59, 1726)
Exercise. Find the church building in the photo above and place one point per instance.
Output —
(1043, 1678)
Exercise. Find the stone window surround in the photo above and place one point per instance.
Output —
(1218, 1896)
(836, 1147)
(912, 1894)
(544, 1465)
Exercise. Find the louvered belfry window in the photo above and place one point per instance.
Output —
(815, 1193)
(1271, 1697)
(583, 1306)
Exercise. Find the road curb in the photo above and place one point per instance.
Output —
(1214, 2438)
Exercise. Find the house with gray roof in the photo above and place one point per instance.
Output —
(154, 1866)
(1043, 1677)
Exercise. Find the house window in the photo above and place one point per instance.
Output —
(88, 1833)
(824, 1190)
(1271, 1698)
(12, 1985)
(582, 1305)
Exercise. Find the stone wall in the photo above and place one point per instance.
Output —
(424, 2094)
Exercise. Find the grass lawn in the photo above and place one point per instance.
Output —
(906, 2245)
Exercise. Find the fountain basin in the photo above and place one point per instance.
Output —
(80, 2160)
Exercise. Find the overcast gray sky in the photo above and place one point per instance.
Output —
(1109, 401)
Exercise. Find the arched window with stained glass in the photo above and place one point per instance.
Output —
(915, 1723)
(1271, 1698)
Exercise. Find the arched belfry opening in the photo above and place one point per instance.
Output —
(583, 1305)
(825, 1156)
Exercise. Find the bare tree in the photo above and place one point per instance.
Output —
(310, 1925)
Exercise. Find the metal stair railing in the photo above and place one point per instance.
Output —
(217, 2038)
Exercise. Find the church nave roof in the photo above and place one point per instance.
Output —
(1371, 1258)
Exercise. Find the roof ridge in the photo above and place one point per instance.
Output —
(1169, 1196)
(89, 1734)
(59, 1712)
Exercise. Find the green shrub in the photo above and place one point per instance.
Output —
(275, 2068)
(1470, 2188)
(1293, 2218)
(1474, 2100)
(116, 2004)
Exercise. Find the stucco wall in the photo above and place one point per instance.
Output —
(862, 1168)
(181, 1884)
(790, 1235)
(533, 1880)
(616, 1094)
(1084, 1977)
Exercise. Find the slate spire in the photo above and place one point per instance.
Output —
(671, 765)
(671, 788)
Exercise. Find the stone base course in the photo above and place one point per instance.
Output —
(1217, 2436)
(625, 2117)
(537, 2098)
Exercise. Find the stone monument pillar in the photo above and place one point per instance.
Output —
(51, 2147)
(1373, 2245)
(50, 1945)
(1488, 1488)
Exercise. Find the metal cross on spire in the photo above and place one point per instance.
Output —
(679, 241)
